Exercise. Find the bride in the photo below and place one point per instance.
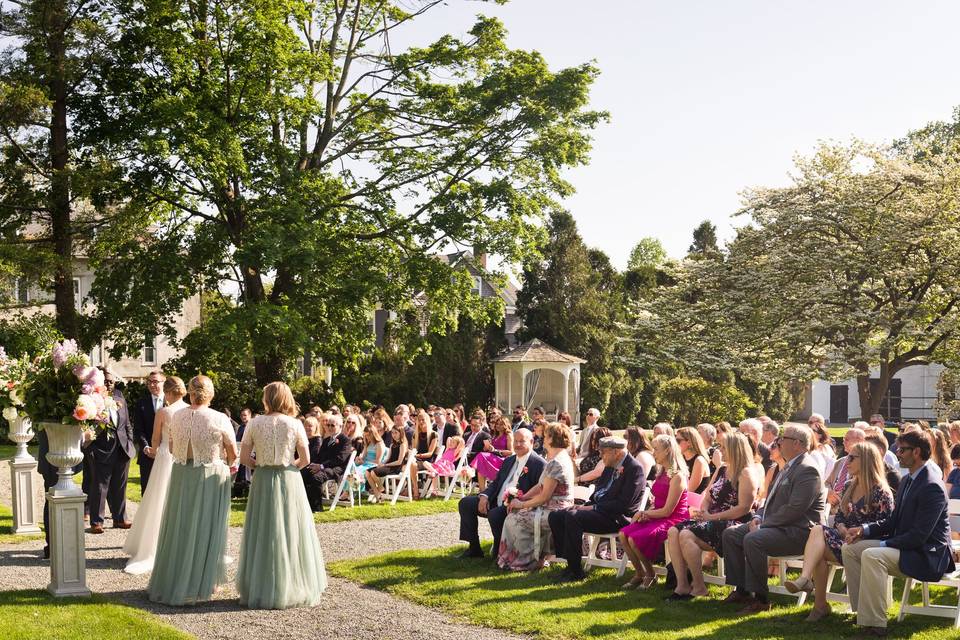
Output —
(141, 542)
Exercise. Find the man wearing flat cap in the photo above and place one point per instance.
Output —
(613, 503)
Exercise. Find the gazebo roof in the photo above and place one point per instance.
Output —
(537, 351)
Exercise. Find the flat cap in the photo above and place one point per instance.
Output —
(613, 442)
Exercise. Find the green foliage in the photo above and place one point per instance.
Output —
(309, 391)
(689, 401)
(27, 335)
(704, 241)
(649, 252)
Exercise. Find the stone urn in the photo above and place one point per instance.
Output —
(65, 454)
(21, 432)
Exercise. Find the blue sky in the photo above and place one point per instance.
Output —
(710, 97)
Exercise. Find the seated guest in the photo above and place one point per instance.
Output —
(609, 509)
(753, 429)
(794, 504)
(446, 465)
(663, 429)
(730, 499)
(953, 480)
(520, 418)
(381, 419)
(396, 458)
(526, 538)
(865, 498)
(445, 425)
(771, 474)
(695, 458)
(539, 427)
(892, 474)
(327, 461)
(708, 433)
(425, 444)
(373, 450)
(837, 480)
(913, 540)
(638, 445)
(477, 436)
(643, 538)
(590, 466)
(940, 451)
(591, 418)
(889, 457)
(488, 462)
(520, 471)
(402, 415)
(821, 447)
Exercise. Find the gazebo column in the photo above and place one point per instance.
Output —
(566, 390)
(510, 404)
(496, 387)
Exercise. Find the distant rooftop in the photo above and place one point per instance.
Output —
(537, 351)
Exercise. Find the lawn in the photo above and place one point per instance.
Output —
(37, 614)
(535, 604)
(6, 529)
(364, 511)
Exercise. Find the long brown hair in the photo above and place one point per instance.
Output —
(872, 474)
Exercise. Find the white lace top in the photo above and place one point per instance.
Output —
(274, 439)
(199, 432)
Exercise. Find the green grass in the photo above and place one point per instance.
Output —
(37, 614)
(536, 604)
(6, 529)
(364, 511)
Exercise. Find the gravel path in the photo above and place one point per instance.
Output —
(345, 611)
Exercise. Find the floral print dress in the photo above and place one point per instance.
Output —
(856, 514)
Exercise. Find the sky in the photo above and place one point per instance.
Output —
(708, 98)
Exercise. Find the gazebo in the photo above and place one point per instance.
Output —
(536, 374)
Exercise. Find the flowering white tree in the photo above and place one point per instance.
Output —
(852, 268)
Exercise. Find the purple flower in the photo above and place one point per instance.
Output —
(62, 351)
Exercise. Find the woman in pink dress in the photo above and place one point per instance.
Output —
(643, 538)
(488, 462)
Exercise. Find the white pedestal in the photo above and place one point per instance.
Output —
(26, 516)
(68, 563)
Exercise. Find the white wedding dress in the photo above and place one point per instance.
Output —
(141, 543)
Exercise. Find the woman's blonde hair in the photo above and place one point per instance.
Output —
(374, 433)
(737, 455)
(277, 398)
(200, 389)
(675, 464)
(422, 419)
(174, 385)
(455, 442)
(692, 436)
(872, 474)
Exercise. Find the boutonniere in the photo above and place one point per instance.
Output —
(523, 471)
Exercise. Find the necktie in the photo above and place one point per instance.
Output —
(906, 489)
(511, 481)
(157, 404)
(842, 474)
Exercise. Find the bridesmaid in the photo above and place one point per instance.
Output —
(288, 571)
(193, 534)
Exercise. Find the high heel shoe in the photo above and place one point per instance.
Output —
(798, 585)
(633, 583)
(648, 581)
(816, 615)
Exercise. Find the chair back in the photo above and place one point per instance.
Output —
(694, 500)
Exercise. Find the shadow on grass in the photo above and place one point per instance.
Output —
(597, 607)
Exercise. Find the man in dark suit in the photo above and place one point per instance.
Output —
(327, 461)
(795, 504)
(446, 429)
(475, 436)
(143, 414)
(609, 509)
(112, 450)
(914, 540)
(241, 481)
(521, 471)
(519, 418)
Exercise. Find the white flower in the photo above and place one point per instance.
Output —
(10, 413)
(15, 397)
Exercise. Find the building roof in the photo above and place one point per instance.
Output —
(537, 351)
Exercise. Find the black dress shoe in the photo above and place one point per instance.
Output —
(46, 553)
(471, 553)
(571, 576)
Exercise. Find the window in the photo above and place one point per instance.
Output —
(96, 355)
(150, 351)
(477, 286)
(77, 300)
(22, 290)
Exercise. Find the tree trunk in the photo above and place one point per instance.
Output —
(268, 364)
(870, 398)
(59, 196)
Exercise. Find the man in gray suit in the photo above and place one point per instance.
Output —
(795, 503)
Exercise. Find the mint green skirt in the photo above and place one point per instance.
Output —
(281, 565)
(193, 535)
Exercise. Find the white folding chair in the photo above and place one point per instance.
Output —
(594, 540)
(344, 481)
(396, 482)
(426, 474)
(457, 478)
(784, 563)
(952, 581)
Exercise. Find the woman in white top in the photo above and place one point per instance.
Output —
(281, 565)
(141, 543)
(193, 531)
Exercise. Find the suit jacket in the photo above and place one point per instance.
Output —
(333, 453)
(477, 447)
(620, 501)
(107, 442)
(525, 482)
(798, 500)
(143, 415)
(920, 528)
(449, 430)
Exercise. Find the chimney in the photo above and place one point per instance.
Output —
(481, 260)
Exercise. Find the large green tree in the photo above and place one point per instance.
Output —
(851, 271)
(286, 147)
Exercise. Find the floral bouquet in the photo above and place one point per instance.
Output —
(13, 377)
(62, 387)
(512, 494)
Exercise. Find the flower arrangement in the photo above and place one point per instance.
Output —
(62, 387)
(13, 377)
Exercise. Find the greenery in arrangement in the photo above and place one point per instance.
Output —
(536, 604)
(62, 387)
(37, 614)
